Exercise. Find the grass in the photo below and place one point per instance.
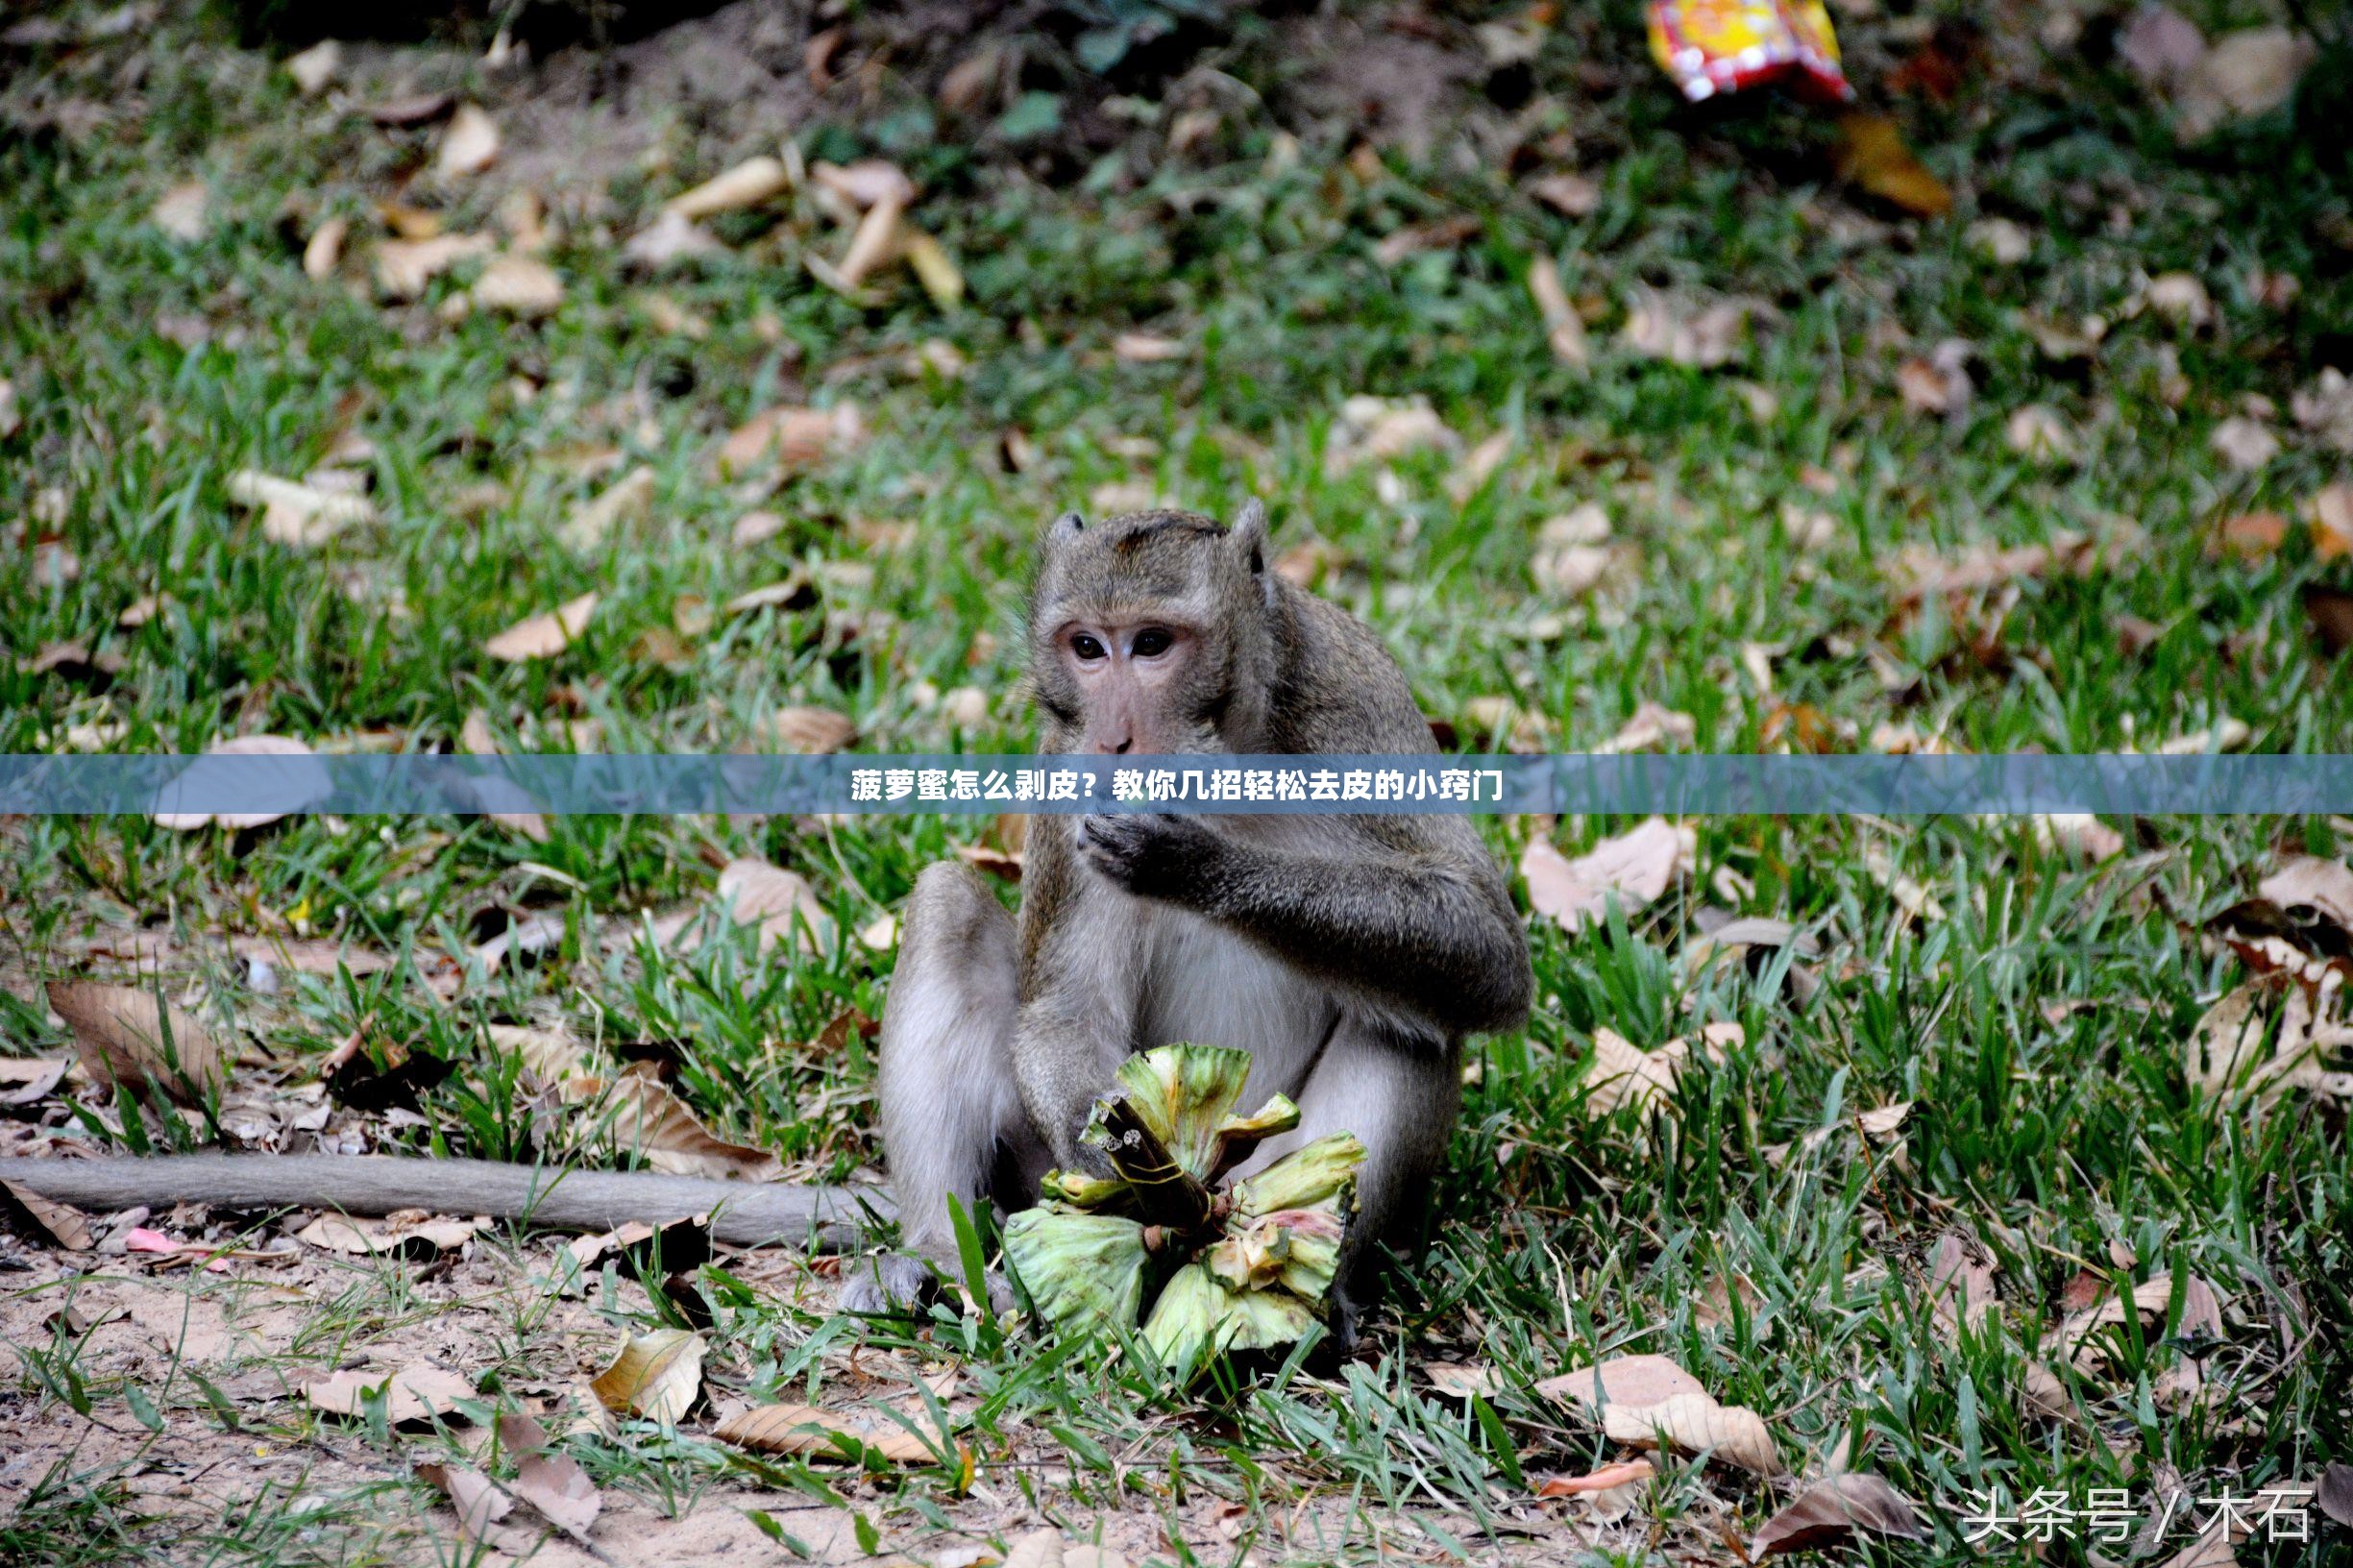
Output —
(2036, 1029)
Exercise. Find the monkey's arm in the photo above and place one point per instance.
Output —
(1427, 929)
(743, 1213)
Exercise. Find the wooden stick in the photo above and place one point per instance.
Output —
(742, 1214)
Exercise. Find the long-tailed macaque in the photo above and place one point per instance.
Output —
(1348, 954)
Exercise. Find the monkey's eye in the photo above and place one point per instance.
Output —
(1150, 641)
(1086, 647)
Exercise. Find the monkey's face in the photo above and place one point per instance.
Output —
(1142, 631)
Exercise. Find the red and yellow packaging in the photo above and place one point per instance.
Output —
(1714, 46)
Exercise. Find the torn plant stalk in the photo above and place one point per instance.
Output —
(1247, 1266)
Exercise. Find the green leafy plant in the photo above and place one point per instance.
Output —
(1247, 1266)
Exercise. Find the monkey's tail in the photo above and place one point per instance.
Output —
(742, 1214)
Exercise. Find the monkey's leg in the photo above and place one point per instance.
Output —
(951, 1116)
(1399, 1098)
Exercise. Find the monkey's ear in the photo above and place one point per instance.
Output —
(1063, 528)
(1248, 538)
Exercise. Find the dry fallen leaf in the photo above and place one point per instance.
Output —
(1651, 724)
(2247, 72)
(1571, 195)
(1633, 1381)
(2246, 444)
(2310, 882)
(301, 514)
(1458, 1380)
(364, 1238)
(778, 901)
(1564, 330)
(639, 1115)
(750, 183)
(469, 145)
(125, 1035)
(657, 1375)
(670, 238)
(809, 731)
(315, 68)
(590, 525)
(2266, 1038)
(2330, 514)
(478, 1502)
(804, 1428)
(1674, 327)
(1832, 1512)
(43, 1220)
(1872, 156)
(182, 211)
(2038, 431)
(1637, 867)
(414, 1393)
(1623, 1073)
(1145, 349)
(545, 635)
(325, 248)
(521, 286)
(550, 1481)
(403, 267)
(1692, 1421)
(793, 437)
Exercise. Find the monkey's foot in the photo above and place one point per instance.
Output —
(903, 1284)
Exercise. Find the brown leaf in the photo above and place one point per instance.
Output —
(1458, 1380)
(640, 1116)
(1571, 195)
(590, 525)
(41, 1219)
(412, 110)
(124, 1035)
(792, 436)
(1636, 867)
(403, 267)
(545, 635)
(1692, 1421)
(300, 514)
(657, 1375)
(2308, 883)
(470, 145)
(752, 183)
(1832, 1512)
(1872, 157)
(1622, 1380)
(1683, 331)
(804, 1428)
(1145, 349)
(809, 731)
(1623, 1074)
(478, 1502)
(521, 286)
(182, 211)
(2335, 1493)
(1960, 1283)
(364, 1238)
(27, 1080)
(2252, 536)
(552, 1483)
(669, 240)
(2330, 514)
(414, 1393)
(778, 901)
(1564, 330)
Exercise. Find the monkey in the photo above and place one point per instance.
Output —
(1349, 954)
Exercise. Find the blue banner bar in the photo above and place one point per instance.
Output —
(187, 788)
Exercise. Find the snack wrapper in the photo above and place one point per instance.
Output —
(1715, 46)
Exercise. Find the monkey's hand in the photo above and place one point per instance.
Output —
(1151, 854)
